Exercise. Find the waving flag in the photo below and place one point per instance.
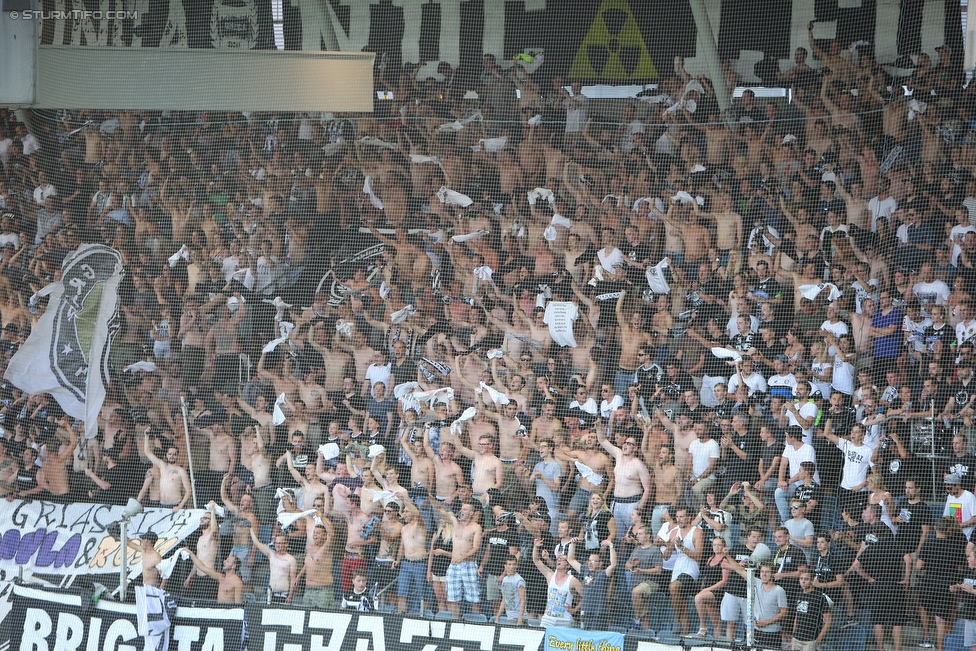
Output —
(67, 353)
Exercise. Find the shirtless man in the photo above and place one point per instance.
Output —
(631, 337)
(509, 440)
(384, 565)
(728, 225)
(410, 259)
(591, 457)
(697, 241)
(52, 476)
(462, 573)
(355, 556)
(632, 481)
(243, 523)
(207, 545)
(360, 351)
(335, 361)
(447, 473)
(317, 569)
(223, 459)
(146, 545)
(487, 470)
(411, 558)
(684, 433)
(312, 486)
(254, 457)
(538, 330)
(174, 483)
(259, 412)
(544, 426)
(669, 486)
(230, 587)
(282, 568)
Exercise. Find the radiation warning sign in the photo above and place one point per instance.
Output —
(614, 47)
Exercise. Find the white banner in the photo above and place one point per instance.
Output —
(59, 539)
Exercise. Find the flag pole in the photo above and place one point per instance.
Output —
(189, 448)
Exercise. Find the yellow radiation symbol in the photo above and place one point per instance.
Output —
(614, 47)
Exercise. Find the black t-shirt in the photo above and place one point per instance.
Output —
(641, 254)
(363, 602)
(913, 518)
(963, 467)
(805, 494)
(738, 469)
(497, 543)
(405, 372)
(878, 551)
(785, 560)
(766, 290)
(126, 479)
(826, 568)
(737, 585)
(809, 609)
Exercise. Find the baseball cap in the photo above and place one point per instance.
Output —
(952, 479)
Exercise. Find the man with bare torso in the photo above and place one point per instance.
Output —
(448, 474)
(510, 435)
(632, 481)
(487, 470)
(411, 558)
(223, 459)
(631, 338)
(356, 543)
(207, 546)
(384, 565)
(52, 476)
(174, 483)
(462, 573)
(317, 569)
(230, 587)
(593, 476)
(282, 568)
(146, 545)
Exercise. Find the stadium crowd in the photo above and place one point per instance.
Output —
(606, 355)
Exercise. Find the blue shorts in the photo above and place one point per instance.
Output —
(463, 579)
(413, 576)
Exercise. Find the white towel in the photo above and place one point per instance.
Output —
(278, 416)
(534, 120)
(453, 198)
(285, 329)
(466, 415)
(813, 291)
(368, 190)
(286, 519)
(698, 168)
(402, 391)
(182, 253)
(329, 451)
(385, 290)
(244, 277)
(449, 126)
(483, 273)
(373, 141)
(494, 144)
(402, 315)
(376, 450)
(725, 353)
(496, 353)
(540, 193)
(382, 496)
(467, 237)
(557, 220)
(280, 307)
(656, 99)
(587, 473)
(148, 367)
(417, 159)
(497, 397)
(344, 327)
(167, 565)
(444, 394)
(683, 197)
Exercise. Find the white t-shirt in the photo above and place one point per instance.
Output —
(610, 261)
(560, 316)
(965, 330)
(702, 453)
(843, 377)
(782, 385)
(376, 373)
(962, 508)
(797, 456)
(857, 463)
(860, 293)
(807, 410)
(755, 382)
(933, 293)
(839, 329)
(881, 208)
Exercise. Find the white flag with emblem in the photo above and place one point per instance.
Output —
(67, 353)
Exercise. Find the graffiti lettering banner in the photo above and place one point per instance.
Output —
(60, 539)
(60, 621)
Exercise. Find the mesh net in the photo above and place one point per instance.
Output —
(552, 214)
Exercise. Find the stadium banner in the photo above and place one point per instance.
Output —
(56, 621)
(600, 40)
(73, 539)
(67, 352)
(59, 621)
(574, 639)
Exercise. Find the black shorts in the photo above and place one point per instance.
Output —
(688, 584)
